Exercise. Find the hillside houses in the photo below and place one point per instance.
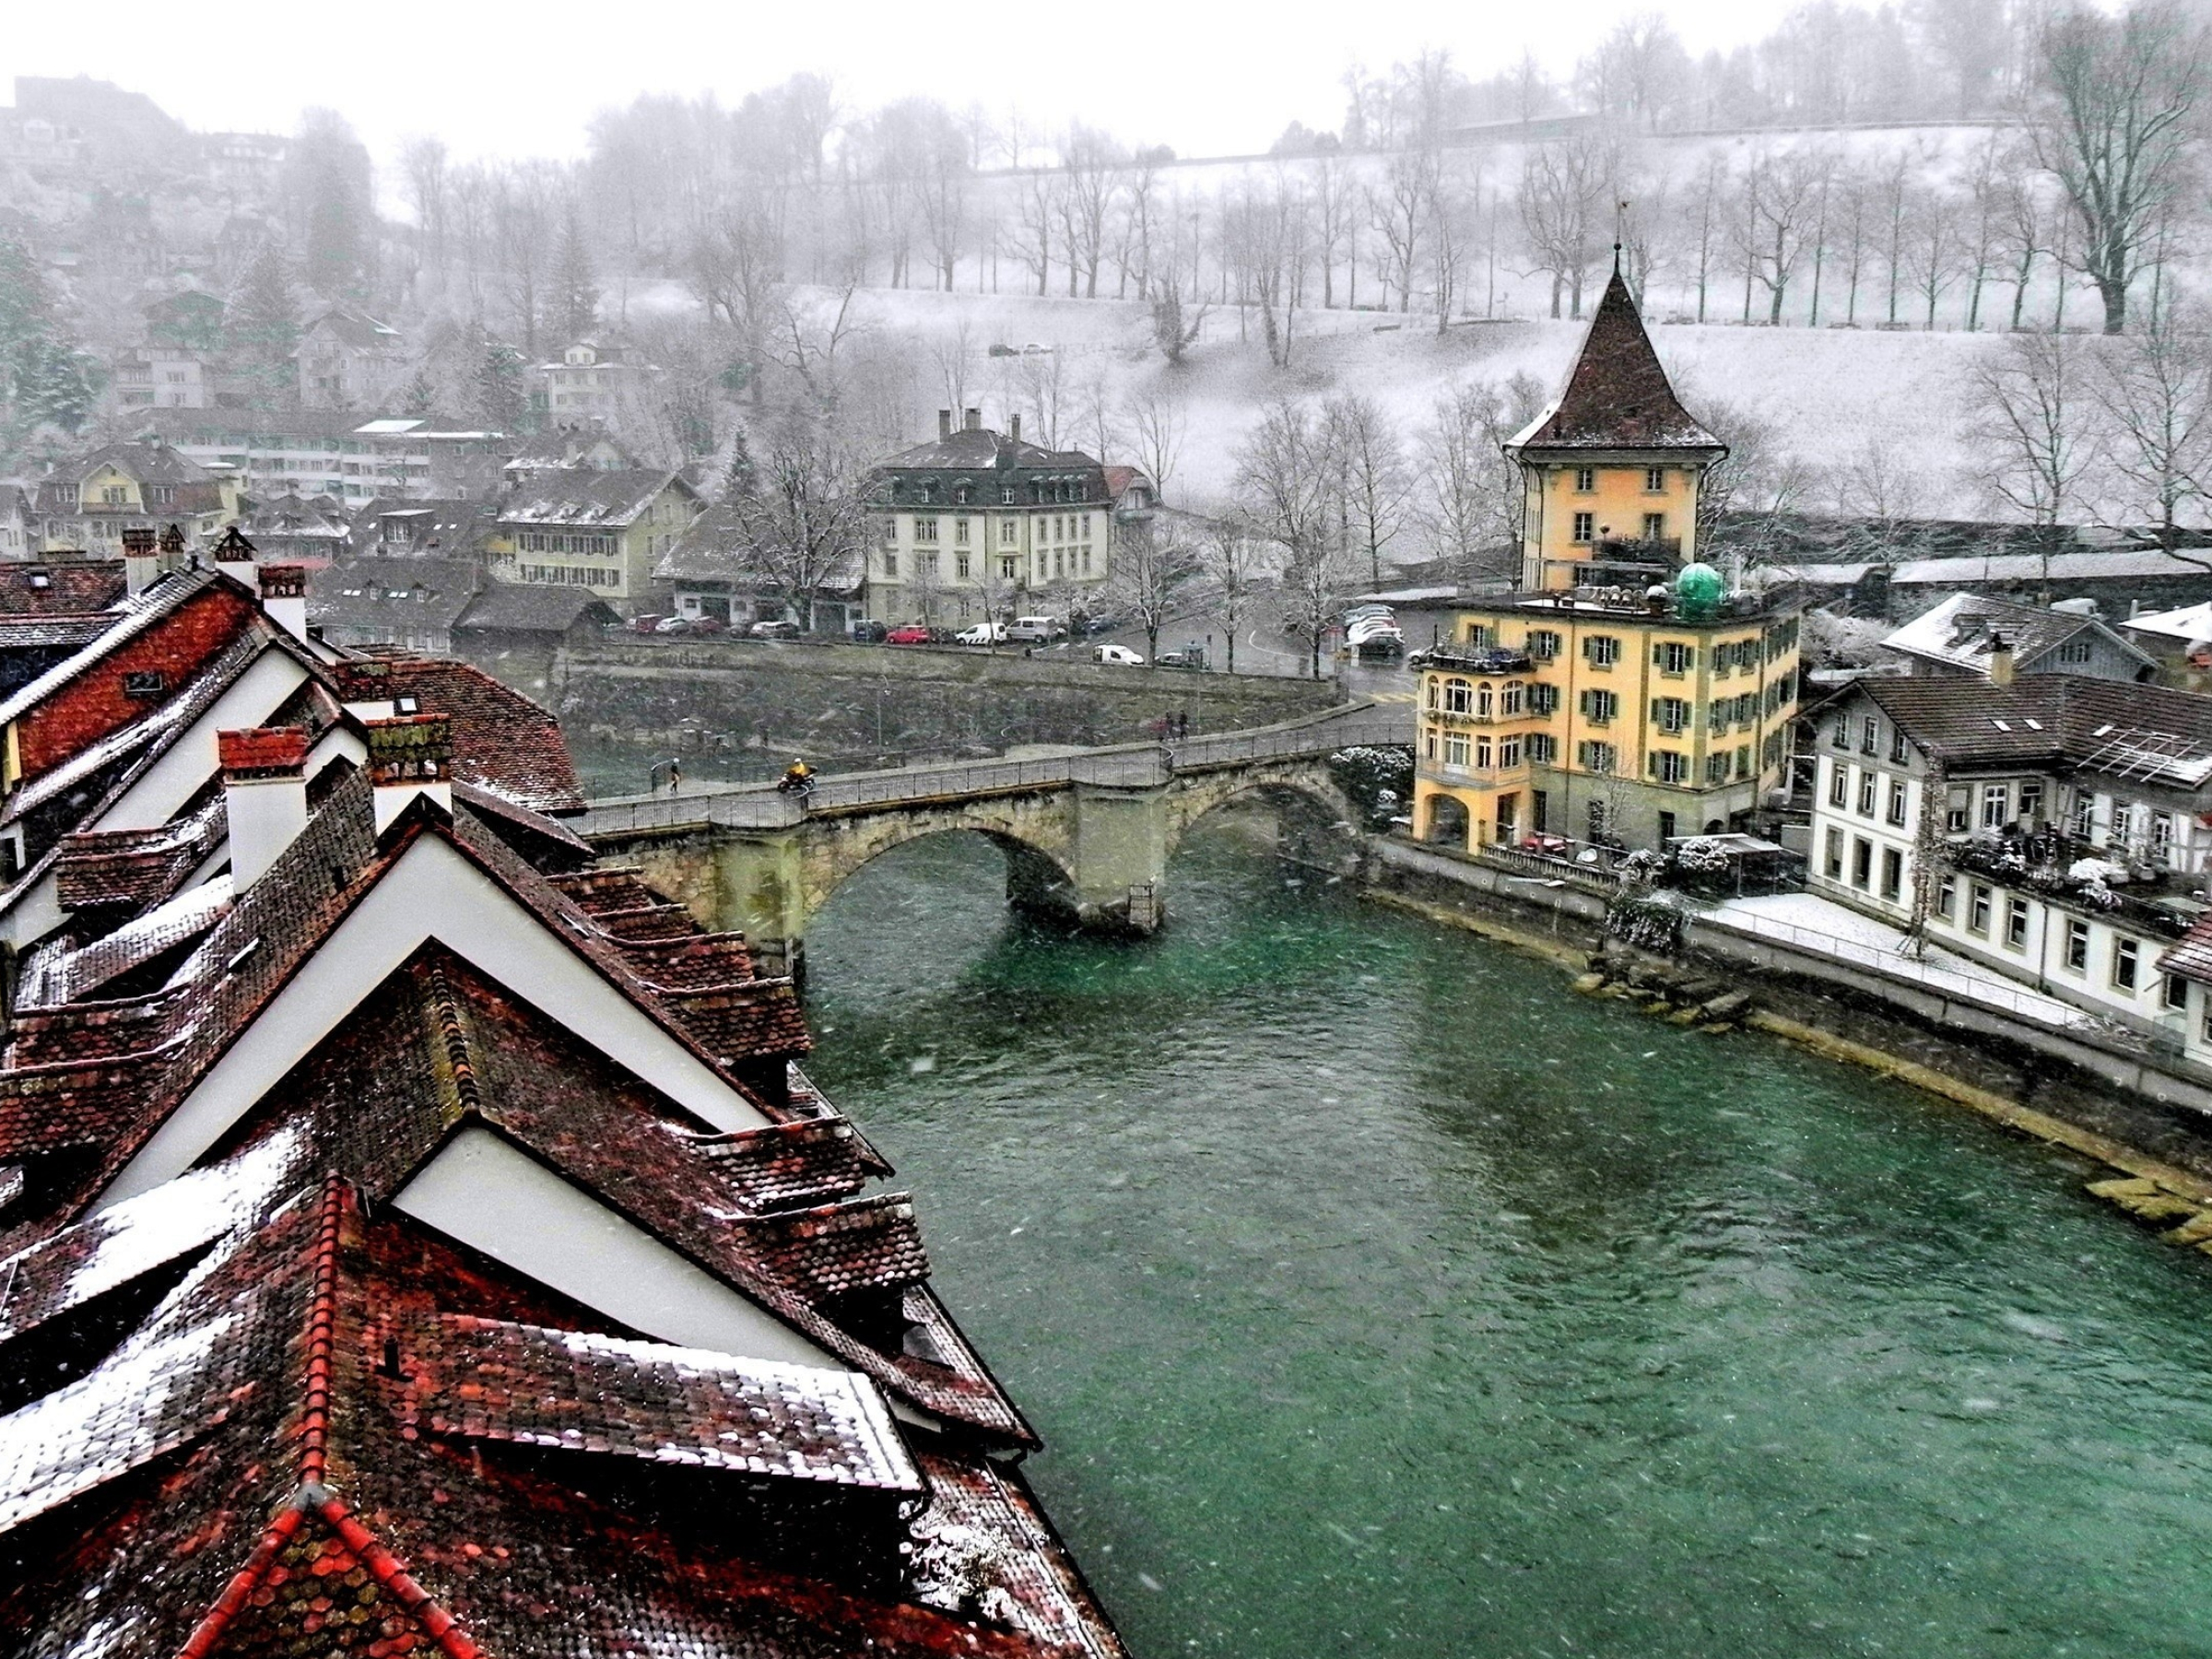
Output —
(583, 527)
(349, 361)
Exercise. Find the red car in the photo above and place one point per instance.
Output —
(912, 633)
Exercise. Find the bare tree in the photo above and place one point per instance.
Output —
(2154, 393)
(2115, 123)
(1373, 484)
(1884, 491)
(2033, 406)
(1092, 164)
(1334, 206)
(1399, 213)
(1155, 419)
(804, 515)
(1237, 563)
(1563, 190)
(1154, 564)
(1781, 198)
(1934, 245)
(1467, 497)
(1284, 478)
(1637, 71)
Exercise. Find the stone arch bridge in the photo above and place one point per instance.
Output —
(1087, 835)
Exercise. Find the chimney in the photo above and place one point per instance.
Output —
(283, 598)
(974, 423)
(408, 756)
(141, 562)
(944, 423)
(234, 557)
(264, 794)
(2000, 660)
(1014, 427)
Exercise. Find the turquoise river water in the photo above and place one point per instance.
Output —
(1376, 1295)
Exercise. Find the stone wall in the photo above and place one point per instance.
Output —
(845, 706)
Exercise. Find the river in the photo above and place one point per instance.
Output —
(1375, 1294)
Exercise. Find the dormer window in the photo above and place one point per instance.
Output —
(407, 702)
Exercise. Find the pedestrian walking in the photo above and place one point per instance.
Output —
(676, 774)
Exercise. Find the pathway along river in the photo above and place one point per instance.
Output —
(1375, 1294)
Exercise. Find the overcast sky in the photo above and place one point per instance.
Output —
(1208, 77)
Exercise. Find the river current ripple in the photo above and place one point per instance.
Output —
(1374, 1294)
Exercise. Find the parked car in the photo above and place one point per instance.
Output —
(1120, 654)
(909, 633)
(866, 630)
(1180, 659)
(1094, 625)
(648, 624)
(672, 624)
(777, 629)
(1037, 630)
(982, 634)
(707, 625)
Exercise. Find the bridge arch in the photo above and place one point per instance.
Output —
(1038, 877)
(1320, 823)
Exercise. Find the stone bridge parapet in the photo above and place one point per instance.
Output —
(1087, 835)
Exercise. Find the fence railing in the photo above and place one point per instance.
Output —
(1134, 765)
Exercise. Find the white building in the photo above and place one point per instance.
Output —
(2072, 845)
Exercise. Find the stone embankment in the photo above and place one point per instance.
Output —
(868, 705)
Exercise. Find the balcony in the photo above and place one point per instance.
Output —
(1638, 550)
(2149, 895)
(1472, 659)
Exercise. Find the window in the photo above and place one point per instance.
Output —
(1600, 707)
(1585, 480)
(1835, 855)
(1655, 478)
(925, 529)
(1602, 650)
(1482, 753)
(1508, 751)
(2016, 924)
(1541, 748)
(1484, 701)
(1455, 749)
(1585, 524)
(1674, 657)
(2032, 798)
(2078, 945)
(1716, 768)
(1743, 760)
(1509, 699)
(1997, 805)
(1654, 526)
(2125, 952)
(2123, 825)
(1428, 743)
(1897, 745)
(1670, 767)
(2076, 649)
(1977, 913)
(1897, 801)
(1594, 757)
(1542, 644)
(1893, 873)
(1006, 530)
(1005, 570)
(1436, 689)
(2161, 837)
(1947, 897)
(1842, 736)
(1543, 698)
(890, 561)
(2175, 993)
(961, 565)
(1862, 862)
(1458, 696)
(959, 531)
(1870, 735)
(1670, 713)
(1865, 792)
(145, 682)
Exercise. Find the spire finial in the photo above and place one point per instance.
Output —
(1621, 231)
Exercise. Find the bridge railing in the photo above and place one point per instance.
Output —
(1135, 765)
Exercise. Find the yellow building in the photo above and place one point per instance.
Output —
(1620, 695)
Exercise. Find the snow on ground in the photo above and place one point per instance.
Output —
(1815, 923)
(1823, 392)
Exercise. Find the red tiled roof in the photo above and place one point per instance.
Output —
(503, 741)
(263, 751)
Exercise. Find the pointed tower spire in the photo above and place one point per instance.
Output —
(1617, 395)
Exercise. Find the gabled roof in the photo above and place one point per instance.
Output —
(149, 463)
(385, 599)
(1617, 395)
(981, 449)
(2146, 733)
(576, 495)
(503, 743)
(533, 607)
(1962, 630)
(356, 328)
(60, 586)
(133, 617)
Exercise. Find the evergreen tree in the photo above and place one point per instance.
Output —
(328, 180)
(261, 330)
(739, 480)
(576, 285)
(421, 395)
(45, 382)
(501, 401)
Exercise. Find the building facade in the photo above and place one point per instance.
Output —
(2053, 828)
(980, 522)
(1619, 695)
(349, 361)
(604, 531)
(90, 501)
(588, 385)
(351, 460)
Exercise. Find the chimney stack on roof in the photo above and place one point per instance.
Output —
(283, 598)
(944, 424)
(264, 795)
(2000, 660)
(411, 755)
(234, 557)
(1014, 427)
(974, 422)
(141, 559)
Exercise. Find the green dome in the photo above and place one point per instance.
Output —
(1699, 590)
